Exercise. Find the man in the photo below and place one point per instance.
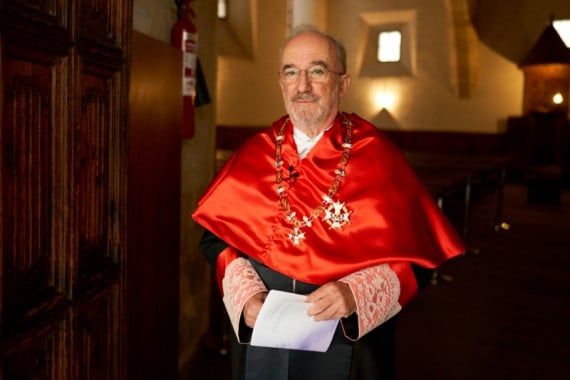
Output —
(321, 204)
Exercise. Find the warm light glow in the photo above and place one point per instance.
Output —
(557, 98)
(222, 9)
(563, 29)
(384, 99)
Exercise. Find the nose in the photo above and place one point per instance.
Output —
(304, 82)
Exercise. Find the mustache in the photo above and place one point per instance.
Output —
(304, 96)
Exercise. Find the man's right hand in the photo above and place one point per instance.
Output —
(252, 307)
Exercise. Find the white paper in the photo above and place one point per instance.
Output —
(283, 323)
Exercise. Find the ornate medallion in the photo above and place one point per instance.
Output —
(336, 214)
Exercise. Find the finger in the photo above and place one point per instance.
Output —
(316, 308)
(326, 308)
(321, 292)
(252, 308)
(334, 311)
(332, 306)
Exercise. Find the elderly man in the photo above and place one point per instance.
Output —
(323, 205)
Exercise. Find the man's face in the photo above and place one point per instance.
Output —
(310, 102)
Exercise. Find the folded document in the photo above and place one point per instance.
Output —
(283, 323)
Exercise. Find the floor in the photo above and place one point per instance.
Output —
(501, 311)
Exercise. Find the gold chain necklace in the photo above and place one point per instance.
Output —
(336, 214)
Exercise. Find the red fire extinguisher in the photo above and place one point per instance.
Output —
(184, 36)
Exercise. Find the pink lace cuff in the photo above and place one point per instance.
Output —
(376, 291)
(240, 282)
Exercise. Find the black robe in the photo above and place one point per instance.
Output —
(369, 358)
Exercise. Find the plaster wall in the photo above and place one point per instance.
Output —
(425, 100)
(248, 92)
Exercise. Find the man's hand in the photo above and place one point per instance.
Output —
(333, 300)
(252, 307)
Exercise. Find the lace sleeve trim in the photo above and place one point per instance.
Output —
(376, 291)
(240, 282)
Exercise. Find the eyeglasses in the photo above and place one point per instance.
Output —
(314, 74)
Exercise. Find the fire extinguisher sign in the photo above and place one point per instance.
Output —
(190, 44)
(184, 36)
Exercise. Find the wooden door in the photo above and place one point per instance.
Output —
(63, 144)
(154, 208)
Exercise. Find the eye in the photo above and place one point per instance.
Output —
(290, 73)
(317, 71)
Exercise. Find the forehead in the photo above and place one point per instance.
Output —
(306, 49)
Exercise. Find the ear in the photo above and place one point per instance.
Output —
(345, 81)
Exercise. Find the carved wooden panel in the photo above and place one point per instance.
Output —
(37, 25)
(63, 164)
(102, 30)
(48, 12)
(95, 170)
(34, 247)
(97, 20)
(99, 339)
(42, 354)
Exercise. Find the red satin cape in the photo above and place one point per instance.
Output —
(393, 217)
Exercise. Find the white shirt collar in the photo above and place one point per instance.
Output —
(305, 143)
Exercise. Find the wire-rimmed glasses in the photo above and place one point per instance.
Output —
(314, 74)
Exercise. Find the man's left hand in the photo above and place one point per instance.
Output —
(332, 300)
